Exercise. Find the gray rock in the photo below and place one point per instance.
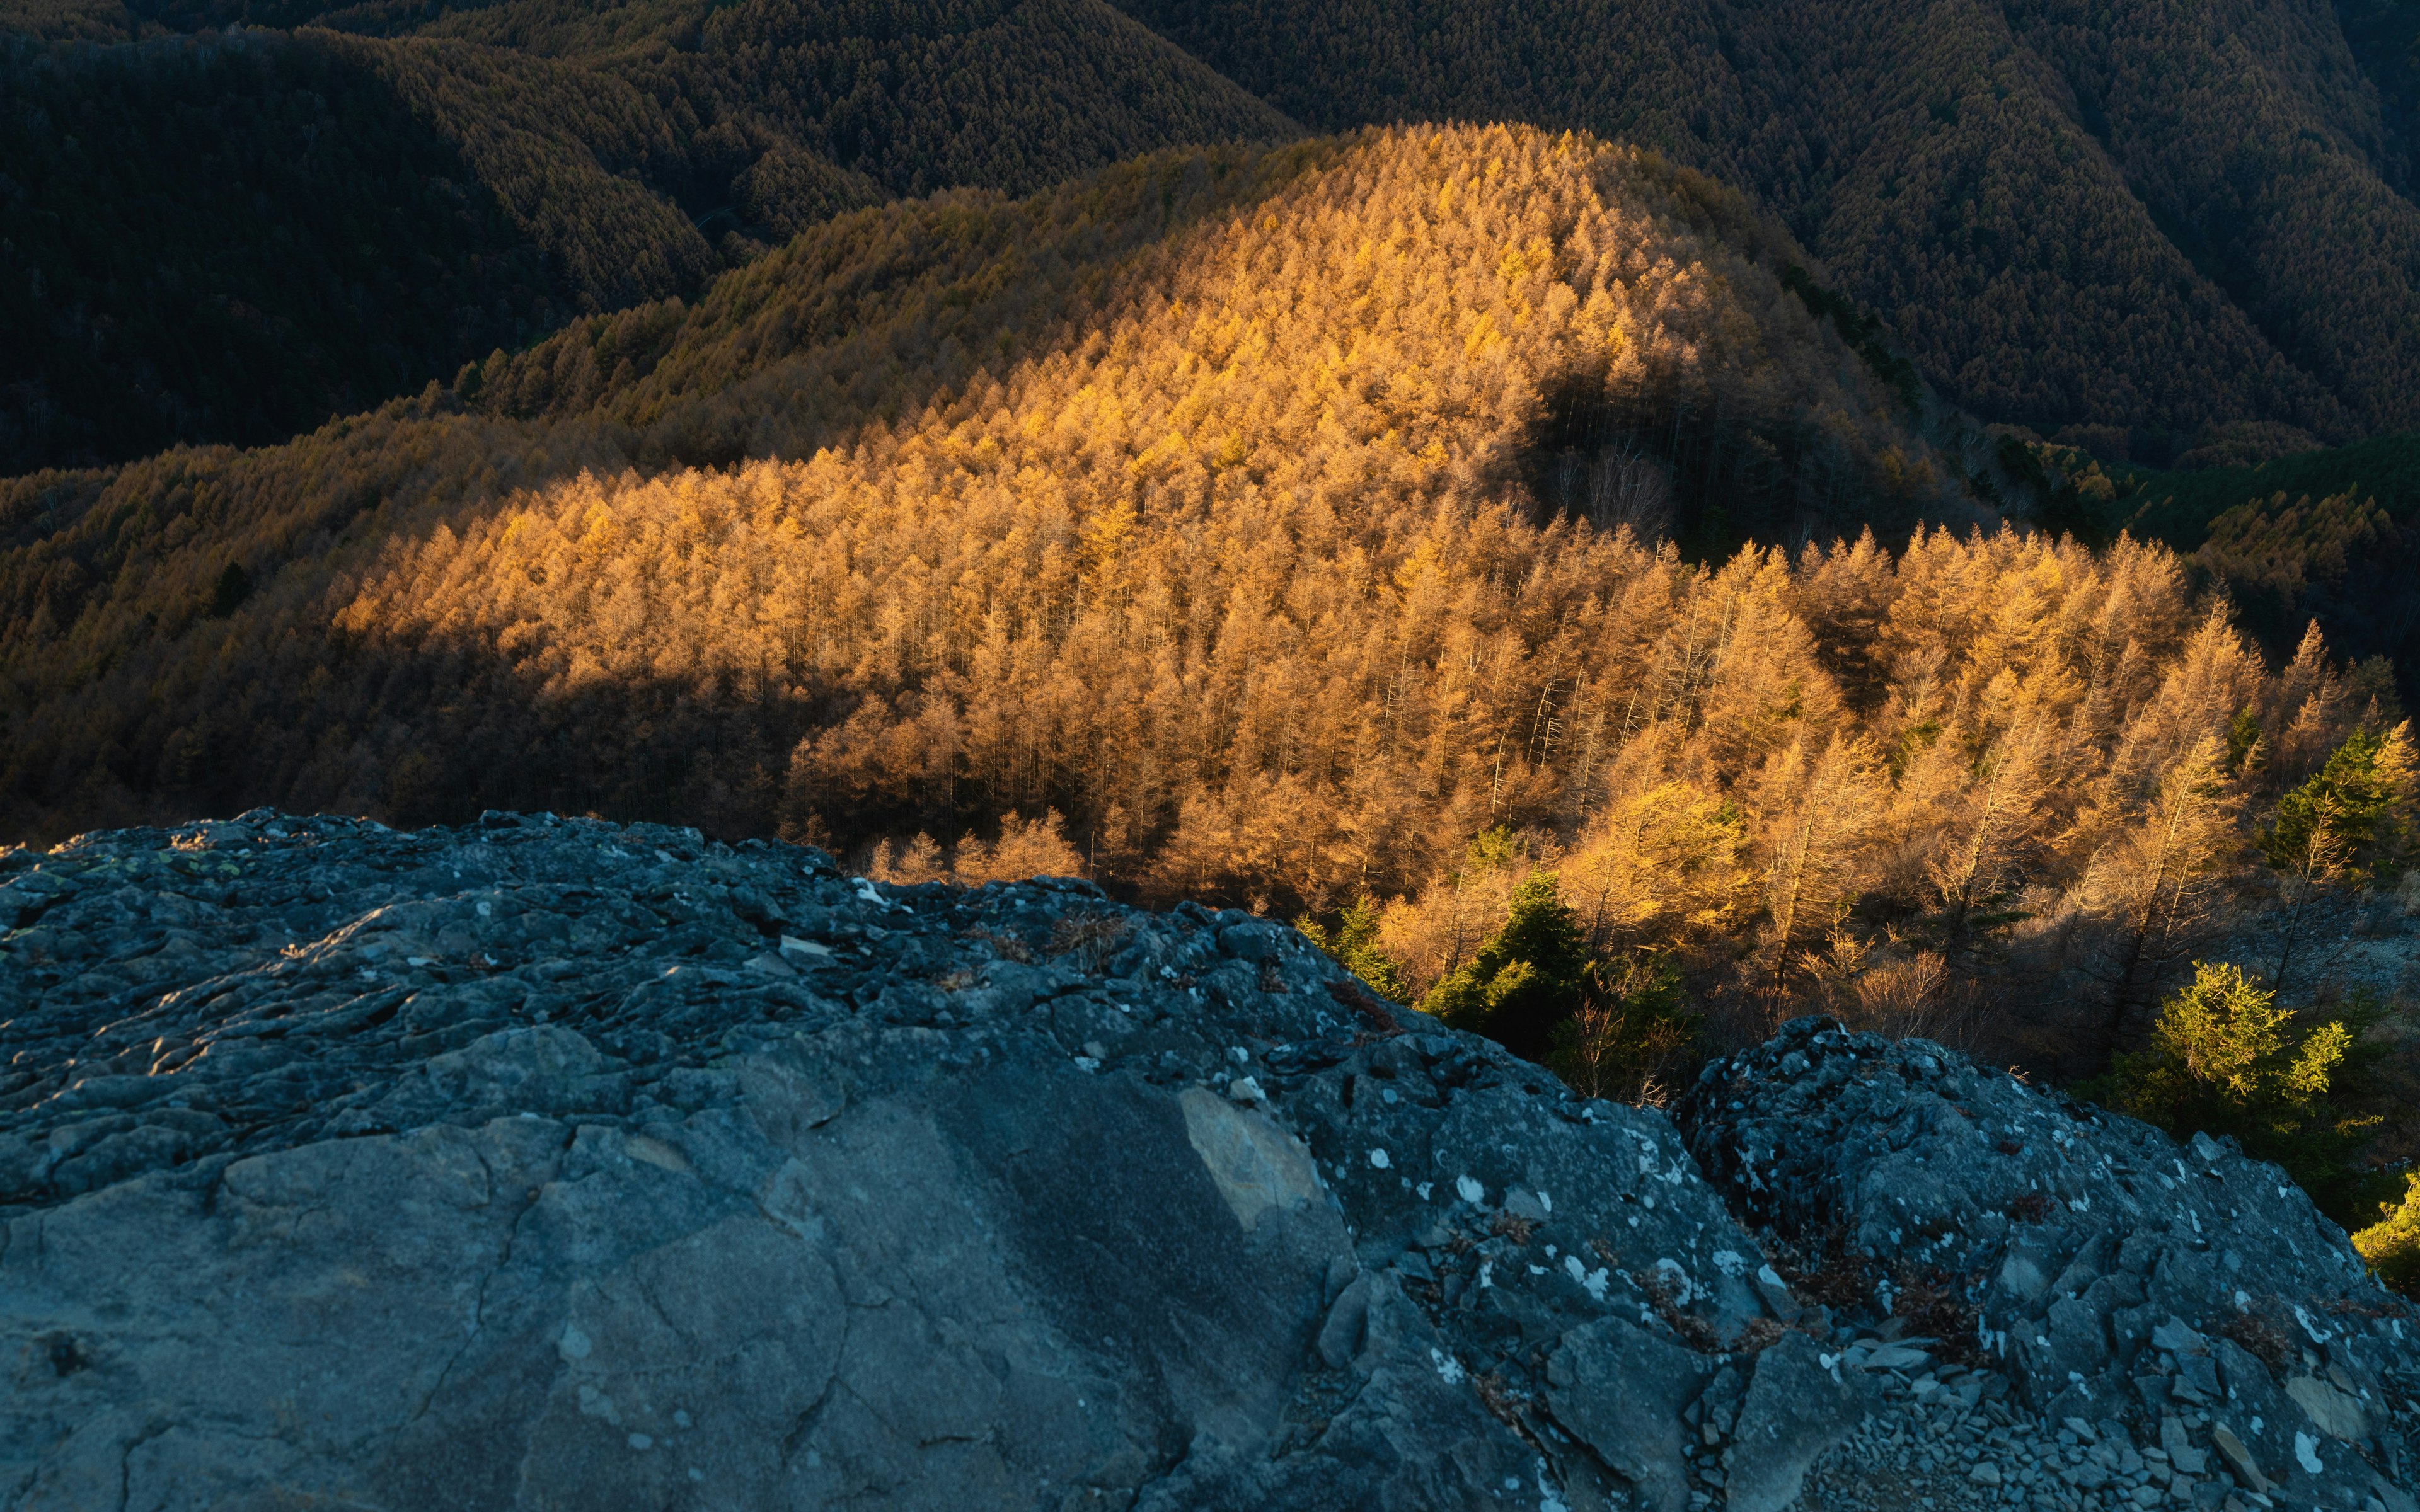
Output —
(1348, 1324)
(1799, 1404)
(2100, 1267)
(2240, 1459)
(551, 1162)
(1622, 1389)
(499, 1168)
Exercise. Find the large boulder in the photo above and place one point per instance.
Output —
(2111, 1275)
(558, 1163)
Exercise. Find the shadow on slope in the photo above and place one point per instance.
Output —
(352, 215)
(230, 240)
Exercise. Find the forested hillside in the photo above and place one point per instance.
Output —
(2319, 534)
(2141, 228)
(233, 236)
(1511, 326)
(2384, 36)
(1013, 95)
(2181, 507)
(230, 240)
(2145, 217)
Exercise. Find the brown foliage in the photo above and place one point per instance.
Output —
(1194, 504)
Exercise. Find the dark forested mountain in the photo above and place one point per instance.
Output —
(918, 95)
(230, 236)
(2384, 36)
(2137, 226)
(2144, 217)
(229, 242)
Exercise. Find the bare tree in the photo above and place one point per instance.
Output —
(1629, 489)
(1997, 818)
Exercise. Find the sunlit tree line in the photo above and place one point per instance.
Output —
(1995, 786)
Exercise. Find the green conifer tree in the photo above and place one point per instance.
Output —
(1526, 978)
(1353, 946)
(2348, 826)
(2225, 1059)
(2392, 1245)
(2348, 821)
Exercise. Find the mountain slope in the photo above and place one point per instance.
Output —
(1013, 94)
(2145, 217)
(2139, 225)
(1208, 383)
(2322, 535)
(231, 239)
(354, 215)
(2385, 40)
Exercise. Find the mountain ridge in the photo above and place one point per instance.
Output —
(604, 179)
(2131, 230)
(1951, 168)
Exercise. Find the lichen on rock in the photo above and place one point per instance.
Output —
(2108, 1274)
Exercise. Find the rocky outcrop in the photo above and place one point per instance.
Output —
(559, 1164)
(2122, 1283)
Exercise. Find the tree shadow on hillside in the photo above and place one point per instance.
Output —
(1711, 471)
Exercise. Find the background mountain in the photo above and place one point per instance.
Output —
(2148, 218)
(2138, 227)
(232, 235)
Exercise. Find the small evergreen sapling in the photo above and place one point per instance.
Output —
(2392, 1245)
(2225, 1059)
(1353, 946)
(1525, 980)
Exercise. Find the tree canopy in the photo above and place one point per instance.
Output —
(2227, 1060)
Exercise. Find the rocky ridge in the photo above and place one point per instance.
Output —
(554, 1163)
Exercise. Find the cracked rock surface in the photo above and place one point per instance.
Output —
(552, 1163)
(2130, 1321)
